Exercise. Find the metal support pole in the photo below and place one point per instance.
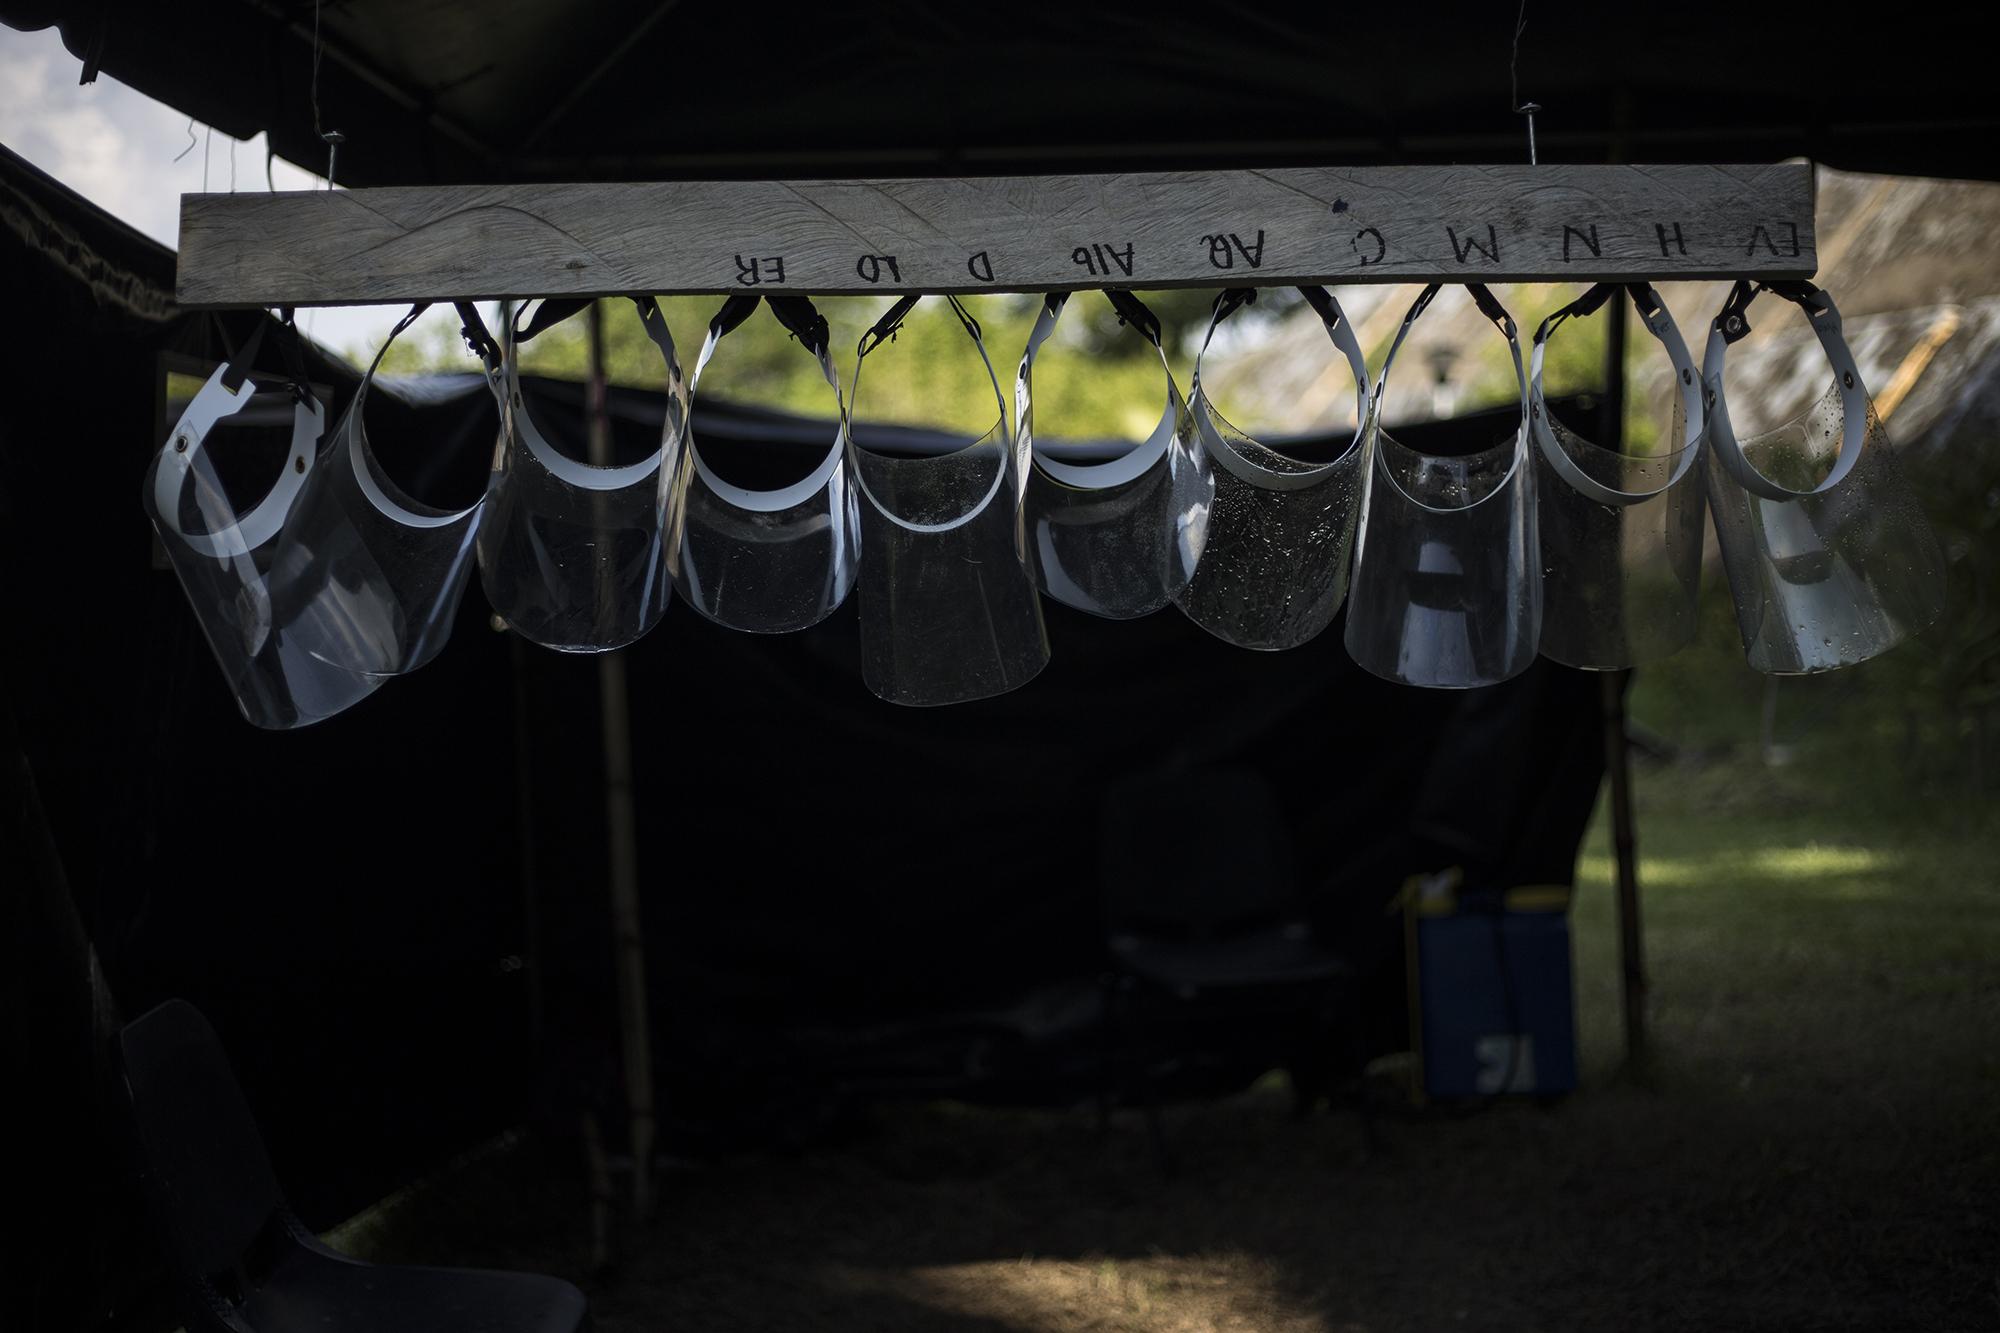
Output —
(622, 832)
(1624, 844)
(1617, 754)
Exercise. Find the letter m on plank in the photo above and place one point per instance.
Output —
(1470, 246)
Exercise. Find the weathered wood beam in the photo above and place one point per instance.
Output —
(1000, 233)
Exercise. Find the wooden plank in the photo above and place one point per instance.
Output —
(1000, 233)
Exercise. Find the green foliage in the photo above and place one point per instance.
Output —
(1096, 378)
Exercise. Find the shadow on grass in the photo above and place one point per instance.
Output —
(1815, 1146)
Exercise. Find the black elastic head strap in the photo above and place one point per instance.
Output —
(1230, 300)
(1796, 290)
(892, 319)
(1422, 303)
(1323, 305)
(402, 327)
(1733, 320)
(549, 312)
(240, 359)
(473, 329)
(804, 320)
(1491, 308)
(1589, 303)
(292, 345)
(1131, 310)
(734, 311)
(403, 324)
(965, 318)
(885, 328)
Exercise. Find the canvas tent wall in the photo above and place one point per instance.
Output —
(136, 754)
(347, 901)
(689, 89)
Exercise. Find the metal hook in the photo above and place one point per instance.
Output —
(333, 140)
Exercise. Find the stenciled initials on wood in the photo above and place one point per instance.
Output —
(1020, 233)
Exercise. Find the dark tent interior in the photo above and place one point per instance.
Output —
(843, 898)
(399, 921)
(439, 92)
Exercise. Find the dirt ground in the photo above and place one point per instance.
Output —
(1816, 1145)
(1623, 1208)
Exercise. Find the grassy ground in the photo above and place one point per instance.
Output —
(1815, 1144)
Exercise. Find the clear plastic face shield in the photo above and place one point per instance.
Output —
(948, 610)
(767, 559)
(223, 551)
(1447, 572)
(1621, 528)
(1830, 558)
(1108, 534)
(572, 553)
(371, 578)
(1268, 560)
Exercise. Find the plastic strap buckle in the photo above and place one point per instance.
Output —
(240, 360)
(1131, 310)
(885, 328)
(965, 318)
(734, 311)
(1323, 305)
(1493, 310)
(803, 319)
(1229, 301)
(1733, 320)
(473, 329)
(549, 313)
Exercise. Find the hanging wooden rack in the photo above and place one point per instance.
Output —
(1145, 230)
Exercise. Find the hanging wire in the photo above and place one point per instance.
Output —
(207, 141)
(316, 50)
(333, 139)
(1521, 108)
(232, 164)
(191, 141)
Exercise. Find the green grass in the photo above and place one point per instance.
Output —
(1813, 1144)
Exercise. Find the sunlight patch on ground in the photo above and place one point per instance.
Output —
(1814, 860)
(1850, 872)
(1225, 1293)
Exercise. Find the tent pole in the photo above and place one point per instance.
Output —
(1624, 842)
(1617, 753)
(58, 1014)
(621, 827)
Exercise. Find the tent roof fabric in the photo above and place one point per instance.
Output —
(441, 91)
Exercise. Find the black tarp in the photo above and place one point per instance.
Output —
(441, 92)
(346, 902)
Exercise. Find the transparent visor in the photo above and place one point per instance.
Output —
(571, 547)
(1107, 526)
(1447, 574)
(1267, 558)
(218, 493)
(370, 578)
(755, 541)
(948, 610)
(1830, 558)
(1621, 527)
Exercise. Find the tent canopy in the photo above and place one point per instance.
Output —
(443, 91)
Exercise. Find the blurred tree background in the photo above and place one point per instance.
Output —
(1925, 714)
